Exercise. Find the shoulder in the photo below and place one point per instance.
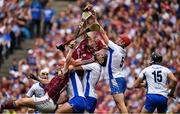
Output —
(95, 65)
(146, 69)
(35, 85)
(167, 70)
(111, 43)
(114, 46)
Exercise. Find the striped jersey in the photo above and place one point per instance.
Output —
(116, 56)
(90, 79)
(37, 90)
(75, 87)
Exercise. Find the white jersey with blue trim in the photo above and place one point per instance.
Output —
(37, 90)
(90, 79)
(116, 56)
(75, 87)
(156, 77)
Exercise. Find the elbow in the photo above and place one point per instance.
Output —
(175, 81)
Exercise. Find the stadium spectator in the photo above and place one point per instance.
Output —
(49, 18)
(14, 27)
(151, 24)
(36, 14)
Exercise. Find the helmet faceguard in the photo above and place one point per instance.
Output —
(156, 58)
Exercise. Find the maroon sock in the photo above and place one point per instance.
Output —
(9, 105)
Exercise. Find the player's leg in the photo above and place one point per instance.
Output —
(144, 110)
(162, 104)
(119, 99)
(118, 87)
(45, 104)
(150, 104)
(26, 102)
(65, 108)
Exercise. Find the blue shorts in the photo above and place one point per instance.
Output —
(154, 101)
(117, 85)
(90, 104)
(78, 103)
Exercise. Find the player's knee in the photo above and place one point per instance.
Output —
(120, 102)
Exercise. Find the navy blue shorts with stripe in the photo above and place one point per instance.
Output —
(78, 103)
(154, 101)
(90, 104)
(117, 85)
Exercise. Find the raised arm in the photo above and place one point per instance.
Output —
(69, 55)
(172, 84)
(103, 35)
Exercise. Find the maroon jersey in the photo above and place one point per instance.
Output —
(84, 52)
(56, 85)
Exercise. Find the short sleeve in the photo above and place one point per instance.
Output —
(87, 67)
(115, 47)
(168, 71)
(142, 74)
(30, 92)
(92, 66)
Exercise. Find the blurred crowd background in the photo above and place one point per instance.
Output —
(151, 24)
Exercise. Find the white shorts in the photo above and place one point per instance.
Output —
(44, 104)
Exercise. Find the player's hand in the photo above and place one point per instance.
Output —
(77, 62)
(171, 95)
(72, 44)
(71, 68)
(60, 47)
(88, 7)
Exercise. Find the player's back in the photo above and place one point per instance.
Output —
(157, 79)
(90, 79)
(75, 86)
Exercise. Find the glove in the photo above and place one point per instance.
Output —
(61, 47)
(88, 7)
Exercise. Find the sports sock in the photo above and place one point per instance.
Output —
(9, 105)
